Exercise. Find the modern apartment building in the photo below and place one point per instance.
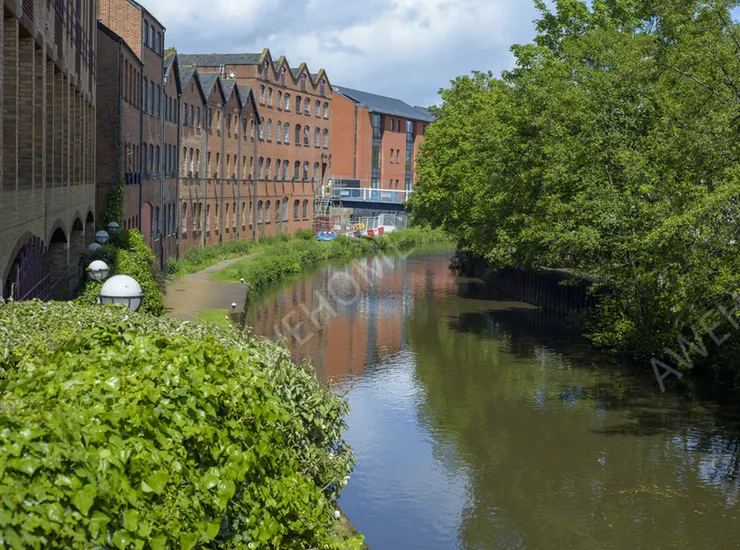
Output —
(47, 197)
(376, 139)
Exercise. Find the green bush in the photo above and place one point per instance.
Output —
(123, 430)
(305, 234)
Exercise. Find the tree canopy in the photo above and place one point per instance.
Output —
(611, 148)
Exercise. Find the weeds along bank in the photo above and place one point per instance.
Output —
(127, 430)
(284, 259)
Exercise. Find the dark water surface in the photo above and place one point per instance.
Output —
(478, 424)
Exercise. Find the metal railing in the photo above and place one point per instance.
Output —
(365, 194)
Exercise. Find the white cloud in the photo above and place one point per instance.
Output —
(401, 48)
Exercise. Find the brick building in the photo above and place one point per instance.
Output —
(376, 139)
(145, 150)
(293, 157)
(47, 196)
(217, 151)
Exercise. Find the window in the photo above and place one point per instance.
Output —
(259, 211)
(316, 137)
(306, 133)
(261, 131)
(228, 123)
(144, 163)
(267, 169)
(197, 161)
(391, 157)
(158, 45)
(307, 107)
(192, 116)
(191, 166)
(267, 212)
(159, 101)
(397, 152)
(264, 68)
(282, 76)
(278, 165)
(325, 139)
(157, 158)
(279, 132)
(303, 82)
(269, 97)
(287, 102)
(244, 214)
(279, 102)
(296, 206)
(146, 95)
(297, 168)
(262, 95)
(285, 169)
(184, 217)
(277, 210)
(146, 32)
(305, 208)
(317, 108)
(260, 164)
(298, 104)
(316, 170)
(269, 130)
(326, 110)
(305, 170)
(286, 133)
(197, 117)
(376, 126)
(151, 99)
(297, 134)
(321, 88)
(151, 158)
(184, 114)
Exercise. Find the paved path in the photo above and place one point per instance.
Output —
(190, 294)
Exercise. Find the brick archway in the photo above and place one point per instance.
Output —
(28, 274)
(58, 257)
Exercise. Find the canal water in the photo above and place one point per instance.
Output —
(478, 423)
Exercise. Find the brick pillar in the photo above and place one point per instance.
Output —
(26, 115)
(50, 130)
(40, 119)
(59, 178)
(10, 103)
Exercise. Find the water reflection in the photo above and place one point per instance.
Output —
(479, 424)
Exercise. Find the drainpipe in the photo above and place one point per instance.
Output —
(204, 178)
(178, 121)
(238, 214)
(221, 170)
(160, 163)
(254, 177)
(141, 147)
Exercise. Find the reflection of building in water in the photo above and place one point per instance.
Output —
(345, 318)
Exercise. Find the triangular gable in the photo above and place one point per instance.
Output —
(173, 68)
(266, 56)
(196, 77)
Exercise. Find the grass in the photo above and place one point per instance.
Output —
(282, 260)
(219, 317)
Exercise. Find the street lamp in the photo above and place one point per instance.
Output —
(93, 246)
(102, 236)
(98, 270)
(121, 289)
(113, 227)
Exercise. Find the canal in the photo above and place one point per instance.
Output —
(479, 424)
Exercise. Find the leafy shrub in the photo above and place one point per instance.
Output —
(123, 430)
(305, 234)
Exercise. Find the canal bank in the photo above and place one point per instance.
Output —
(479, 422)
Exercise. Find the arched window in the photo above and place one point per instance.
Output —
(269, 97)
(197, 160)
(279, 102)
(305, 208)
(262, 131)
(285, 169)
(159, 101)
(267, 212)
(297, 134)
(303, 82)
(267, 169)
(321, 87)
(184, 160)
(192, 116)
(260, 165)
(259, 211)
(326, 109)
(151, 99)
(278, 165)
(277, 211)
(151, 158)
(269, 130)
(146, 95)
(316, 137)
(298, 104)
(306, 135)
(307, 107)
(286, 133)
(197, 117)
(325, 139)
(279, 132)
(262, 95)
(317, 108)
(305, 170)
(282, 76)
(190, 161)
(286, 102)
(296, 206)
(316, 170)
(285, 209)
(297, 168)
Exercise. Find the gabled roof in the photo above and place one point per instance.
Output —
(170, 62)
(218, 59)
(426, 111)
(120, 40)
(186, 75)
(384, 105)
(229, 86)
(211, 81)
(247, 96)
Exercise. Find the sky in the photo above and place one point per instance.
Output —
(406, 49)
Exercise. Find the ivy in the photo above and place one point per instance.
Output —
(114, 204)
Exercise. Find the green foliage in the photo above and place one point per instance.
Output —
(128, 254)
(124, 430)
(305, 234)
(610, 149)
(219, 317)
(114, 205)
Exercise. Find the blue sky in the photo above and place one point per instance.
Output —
(400, 48)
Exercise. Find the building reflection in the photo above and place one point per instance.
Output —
(347, 317)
